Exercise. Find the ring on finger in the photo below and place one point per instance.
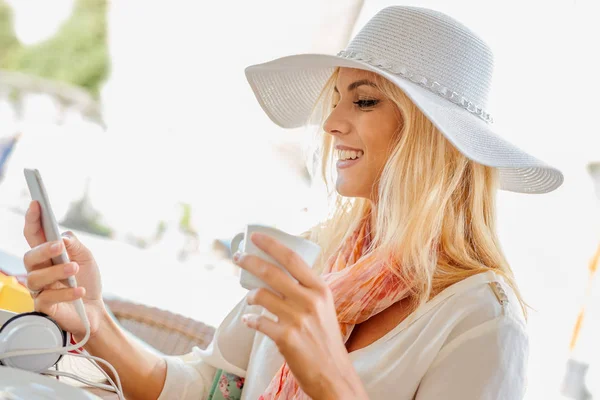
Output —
(33, 293)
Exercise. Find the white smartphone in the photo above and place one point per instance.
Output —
(49, 224)
(51, 231)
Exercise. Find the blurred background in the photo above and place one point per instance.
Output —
(155, 152)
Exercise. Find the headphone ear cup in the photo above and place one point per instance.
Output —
(29, 331)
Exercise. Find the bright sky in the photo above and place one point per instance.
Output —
(29, 27)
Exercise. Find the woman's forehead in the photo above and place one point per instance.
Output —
(347, 76)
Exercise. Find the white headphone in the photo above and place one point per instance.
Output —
(22, 331)
(35, 342)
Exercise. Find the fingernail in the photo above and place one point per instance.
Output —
(80, 291)
(250, 320)
(70, 268)
(56, 246)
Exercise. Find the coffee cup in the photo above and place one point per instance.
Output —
(307, 250)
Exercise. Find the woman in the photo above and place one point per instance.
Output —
(412, 297)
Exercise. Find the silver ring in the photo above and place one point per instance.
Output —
(34, 293)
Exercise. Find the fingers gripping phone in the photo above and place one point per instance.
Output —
(49, 225)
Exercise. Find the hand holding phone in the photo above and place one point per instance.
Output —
(49, 224)
(51, 229)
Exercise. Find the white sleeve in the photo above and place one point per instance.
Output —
(191, 376)
(487, 362)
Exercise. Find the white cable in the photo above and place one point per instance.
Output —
(94, 360)
(104, 373)
(108, 378)
(80, 379)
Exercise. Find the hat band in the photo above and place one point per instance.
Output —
(423, 81)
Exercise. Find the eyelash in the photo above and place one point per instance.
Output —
(364, 103)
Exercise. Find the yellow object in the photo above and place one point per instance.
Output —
(13, 296)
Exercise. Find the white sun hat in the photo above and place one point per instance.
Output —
(441, 65)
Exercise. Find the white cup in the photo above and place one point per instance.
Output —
(307, 250)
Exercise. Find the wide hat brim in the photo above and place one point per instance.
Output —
(288, 89)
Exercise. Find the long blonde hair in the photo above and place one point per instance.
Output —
(435, 212)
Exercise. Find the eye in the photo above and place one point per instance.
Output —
(366, 103)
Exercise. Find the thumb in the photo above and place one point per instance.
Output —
(73, 245)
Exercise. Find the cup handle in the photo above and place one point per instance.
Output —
(235, 242)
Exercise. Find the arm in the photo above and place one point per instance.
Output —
(143, 374)
(487, 362)
(55, 299)
(133, 363)
(183, 377)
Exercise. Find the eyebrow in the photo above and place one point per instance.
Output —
(356, 84)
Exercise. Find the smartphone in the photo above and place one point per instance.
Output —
(49, 225)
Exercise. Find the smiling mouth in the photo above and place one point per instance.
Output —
(346, 155)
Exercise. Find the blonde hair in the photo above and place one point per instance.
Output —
(435, 211)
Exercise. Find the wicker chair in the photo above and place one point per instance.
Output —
(167, 332)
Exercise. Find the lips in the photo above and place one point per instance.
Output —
(347, 156)
(341, 164)
(344, 147)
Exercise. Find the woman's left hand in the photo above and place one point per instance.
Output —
(307, 332)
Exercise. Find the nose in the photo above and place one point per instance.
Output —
(337, 123)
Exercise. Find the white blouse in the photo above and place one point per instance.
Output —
(468, 342)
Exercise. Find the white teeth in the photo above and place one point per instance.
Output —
(349, 154)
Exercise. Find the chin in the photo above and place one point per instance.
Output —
(346, 190)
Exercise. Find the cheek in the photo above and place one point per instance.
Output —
(379, 148)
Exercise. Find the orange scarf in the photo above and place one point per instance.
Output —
(362, 286)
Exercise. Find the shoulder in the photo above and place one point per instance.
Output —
(486, 313)
(482, 353)
(482, 297)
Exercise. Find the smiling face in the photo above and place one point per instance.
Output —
(364, 124)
